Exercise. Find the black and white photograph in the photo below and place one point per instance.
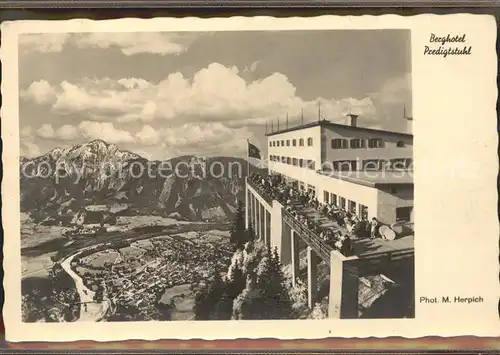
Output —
(247, 175)
(250, 179)
(244, 175)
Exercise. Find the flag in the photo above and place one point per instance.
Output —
(253, 151)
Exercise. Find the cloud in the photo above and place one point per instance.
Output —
(148, 135)
(129, 43)
(206, 139)
(41, 92)
(105, 131)
(64, 133)
(43, 42)
(46, 131)
(67, 133)
(162, 43)
(395, 92)
(214, 94)
(27, 147)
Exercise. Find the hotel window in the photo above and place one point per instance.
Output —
(403, 214)
(311, 164)
(342, 203)
(339, 143)
(287, 142)
(344, 165)
(312, 189)
(294, 142)
(398, 164)
(288, 160)
(301, 163)
(270, 144)
(400, 144)
(294, 161)
(358, 143)
(326, 197)
(301, 142)
(375, 143)
(352, 207)
(277, 143)
(282, 143)
(363, 211)
(333, 198)
(371, 165)
(309, 142)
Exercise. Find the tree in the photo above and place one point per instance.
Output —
(211, 299)
(238, 233)
(236, 283)
(267, 296)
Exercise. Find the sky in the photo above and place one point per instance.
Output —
(165, 94)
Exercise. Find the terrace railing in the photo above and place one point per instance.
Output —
(309, 237)
(262, 192)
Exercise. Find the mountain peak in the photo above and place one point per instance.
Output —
(98, 143)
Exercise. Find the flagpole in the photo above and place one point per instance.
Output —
(248, 157)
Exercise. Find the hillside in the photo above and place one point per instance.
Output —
(63, 181)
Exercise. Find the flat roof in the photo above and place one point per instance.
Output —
(365, 247)
(372, 178)
(325, 123)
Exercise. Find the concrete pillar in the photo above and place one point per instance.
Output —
(256, 221)
(259, 219)
(295, 257)
(251, 210)
(312, 277)
(265, 237)
(247, 207)
(268, 230)
(278, 232)
(262, 222)
(344, 284)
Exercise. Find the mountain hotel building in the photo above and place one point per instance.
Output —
(363, 170)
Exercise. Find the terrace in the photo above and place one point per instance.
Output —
(374, 253)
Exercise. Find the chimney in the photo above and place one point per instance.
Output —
(354, 119)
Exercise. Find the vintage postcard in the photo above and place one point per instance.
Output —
(292, 178)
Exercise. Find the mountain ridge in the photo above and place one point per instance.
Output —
(63, 181)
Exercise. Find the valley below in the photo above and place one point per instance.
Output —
(131, 272)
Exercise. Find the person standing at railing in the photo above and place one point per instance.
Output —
(374, 227)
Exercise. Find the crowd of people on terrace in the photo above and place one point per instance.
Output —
(295, 199)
